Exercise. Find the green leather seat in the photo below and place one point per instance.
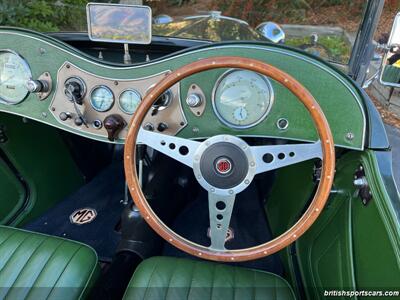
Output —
(37, 266)
(168, 278)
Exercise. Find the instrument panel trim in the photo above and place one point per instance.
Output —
(318, 64)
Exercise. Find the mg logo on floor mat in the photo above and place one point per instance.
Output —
(83, 216)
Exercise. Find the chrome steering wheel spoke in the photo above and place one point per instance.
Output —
(177, 148)
(277, 156)
(220, 212)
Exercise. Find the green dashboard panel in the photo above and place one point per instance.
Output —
(340, 100)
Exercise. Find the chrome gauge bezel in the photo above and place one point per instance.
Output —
(229, 124)
(27, 70)
(119, 100)
(91, 94)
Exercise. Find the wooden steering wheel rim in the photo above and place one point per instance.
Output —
(286, 238)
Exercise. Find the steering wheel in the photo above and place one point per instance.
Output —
(225, 165)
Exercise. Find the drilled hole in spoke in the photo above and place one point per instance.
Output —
(268, 158)
(281, 155)
(172, 146)
(183, 150)
(292, 154)
(163, 143)
(219, 226)
(220, 217)
(220, 205)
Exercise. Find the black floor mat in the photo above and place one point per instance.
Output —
(104, 194)
(248, 223)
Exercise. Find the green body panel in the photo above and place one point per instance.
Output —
(338, 97)
(13, 192)
(350, 246)
(37, 266)
(172, 278)
(42, 160)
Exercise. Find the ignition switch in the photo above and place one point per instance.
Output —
(75, 89)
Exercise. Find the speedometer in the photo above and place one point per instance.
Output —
(242, 98)
(14, 74)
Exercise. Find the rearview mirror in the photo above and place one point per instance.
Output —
(116, 23)
(390, 69)
(272, 32)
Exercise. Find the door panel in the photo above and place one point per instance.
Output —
(13, 193)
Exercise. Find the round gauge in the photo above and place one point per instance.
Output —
(242, 98)
(14, 73)
(101, 98)
(129, 100)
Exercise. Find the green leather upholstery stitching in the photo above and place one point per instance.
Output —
(38, 266)
(168, 278)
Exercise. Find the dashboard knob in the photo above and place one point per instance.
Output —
(162, 126)
(64, 116)
(193, 100)
(78, 121)
(37, 86)
(114, 124)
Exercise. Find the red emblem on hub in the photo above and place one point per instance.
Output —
(223, 166)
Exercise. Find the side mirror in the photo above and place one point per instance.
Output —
(272, 32)
(390, 69)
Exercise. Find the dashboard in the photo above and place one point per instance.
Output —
(47, 80)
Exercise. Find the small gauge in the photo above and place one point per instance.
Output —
(129, 100)
(240, 114)
(101, 98)
(14, 74)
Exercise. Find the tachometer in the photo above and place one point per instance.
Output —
(129, 100)
(242, 98)
(14, 74)
(101, 98)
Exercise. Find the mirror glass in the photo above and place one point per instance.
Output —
(115, 23)
(390, 71)
(272, 32)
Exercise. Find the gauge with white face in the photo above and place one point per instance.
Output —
(101, 98)
(14, 73)
(242, 98)
(129, 100)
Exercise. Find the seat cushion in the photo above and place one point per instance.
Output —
(37, 266)
(168, 278)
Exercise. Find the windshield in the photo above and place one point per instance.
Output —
(323, 28)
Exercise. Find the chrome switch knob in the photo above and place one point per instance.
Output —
(193, 100)
(37, 86)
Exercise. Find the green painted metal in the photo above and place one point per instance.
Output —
(42, 160)
(341, 101)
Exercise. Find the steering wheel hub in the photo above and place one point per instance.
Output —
(224, 164)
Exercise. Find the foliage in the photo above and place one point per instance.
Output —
(44, 15)
(339, 49)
